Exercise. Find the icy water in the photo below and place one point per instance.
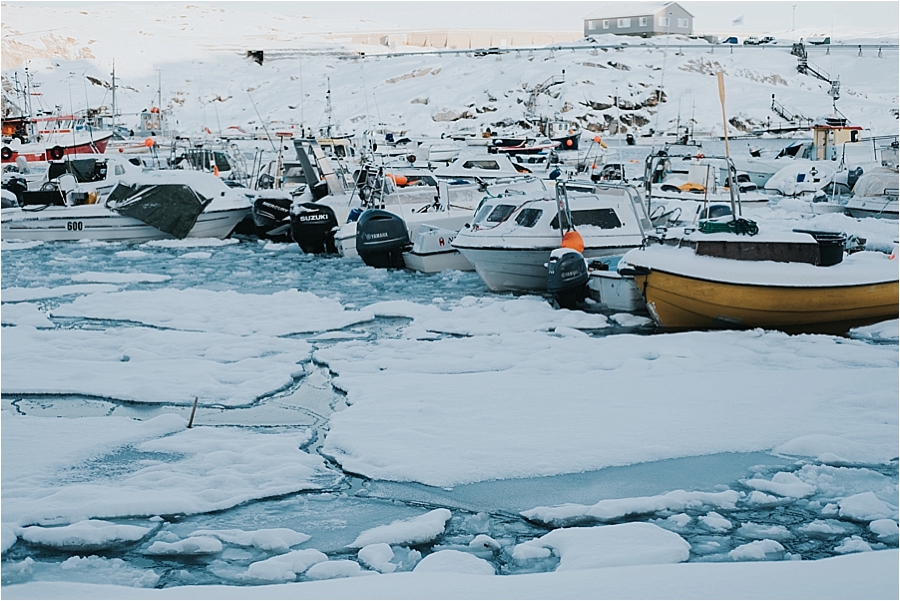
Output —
(334, 516)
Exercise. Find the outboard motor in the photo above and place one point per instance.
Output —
(381, 238)
(567, 277)
(272, 217)
(18, 186)
(313, 226)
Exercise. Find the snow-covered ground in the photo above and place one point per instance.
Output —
(440, 440)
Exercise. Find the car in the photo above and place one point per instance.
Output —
(731, 40)
(767, 40)
(752, 41)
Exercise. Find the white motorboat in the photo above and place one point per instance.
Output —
(452, 208)
(875, 195)
(142, 207)
(432, 252)
(512, 236)
(698, 180)
(471, 167)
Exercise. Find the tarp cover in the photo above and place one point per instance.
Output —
(170, 208)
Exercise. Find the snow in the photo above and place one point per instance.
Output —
(110, 571)
(784, 484)
(716, 522)
(339, 568)
(170, 469)
(378, 556)
(884, 528)
(607, 546)
(434, 387)
(267, 539)
(85, 535)
(286, 566)
(757, 550)
(864, 507)
(456, 562)
(853, 544)
(421, 529)
(194, 545)
(613, 509)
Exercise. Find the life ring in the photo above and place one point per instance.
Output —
(56, 153)
(6, 153)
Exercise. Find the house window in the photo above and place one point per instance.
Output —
(605, 24)
(664, 21)
(683, 23)
(592, 25)
(642, 21)
(624, 23)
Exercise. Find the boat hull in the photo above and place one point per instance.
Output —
(680, 302)
(69, 224)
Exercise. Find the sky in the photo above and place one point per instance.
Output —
(709, 16)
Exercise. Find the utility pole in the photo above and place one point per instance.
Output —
(793, 14)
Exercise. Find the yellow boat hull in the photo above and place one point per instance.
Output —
(679, 302)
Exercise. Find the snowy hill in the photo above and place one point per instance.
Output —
(196, 61)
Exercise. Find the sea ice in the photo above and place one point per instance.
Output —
(194, 545)
(421, 529)
(84, 535)
(763, 531)
(378, 556)
(784, 484)
(456, 562)
(284, 567)
(865, 507)
(757, 550)
(338, 568)
(266, 539)
(853, 544)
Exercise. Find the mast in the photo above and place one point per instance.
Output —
(114, 94)
(328, 108)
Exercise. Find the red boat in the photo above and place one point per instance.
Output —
(55, 138)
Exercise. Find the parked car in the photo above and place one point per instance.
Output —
(767, 40)
(752, 41)
(818, 40)
(731, 40)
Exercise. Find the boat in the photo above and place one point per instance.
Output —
(696, 178)
(402, 235)
(875, 195)
(512, 236)
(472, 167)
(722, 275)
(432, 252)
(527, 146)
(141, 207)
(56, 137)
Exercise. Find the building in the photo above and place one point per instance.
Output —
(643, 19)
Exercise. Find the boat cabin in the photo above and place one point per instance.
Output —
(830, 133)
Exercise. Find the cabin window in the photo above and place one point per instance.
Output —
(120, 170)
(642, 21)
(592, 25)
(529, 217)
(605, 24)
(602, 218)
(624, 23)
(683, 23)
(492, 165)
(500, 213)
(664, 21)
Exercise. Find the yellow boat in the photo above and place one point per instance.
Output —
(725, 280)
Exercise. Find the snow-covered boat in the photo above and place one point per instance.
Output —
(795, 281)
(141, 207)
(528, 146)
(875, 195)
(432, 252)
(512, 235)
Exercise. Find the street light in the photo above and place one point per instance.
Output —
(793, 14)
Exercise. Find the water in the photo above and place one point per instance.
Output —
(348, 503)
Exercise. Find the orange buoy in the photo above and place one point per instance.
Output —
(573, 240)
(597, 139)
(399, 180)
(149, 142)
(568, 142)
(216, 170)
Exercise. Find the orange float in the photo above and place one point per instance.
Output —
(573, 240)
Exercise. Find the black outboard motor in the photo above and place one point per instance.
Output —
(272, 217)
(567, 277)
(381, 238)
(313, 226)
(16, 185)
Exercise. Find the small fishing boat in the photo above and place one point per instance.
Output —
(512, 236)
(55, 138)
(875, 195)
(141, 207)
(794, 281)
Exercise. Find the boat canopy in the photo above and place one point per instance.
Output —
(170, 208)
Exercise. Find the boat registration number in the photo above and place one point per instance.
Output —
(74, 226)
